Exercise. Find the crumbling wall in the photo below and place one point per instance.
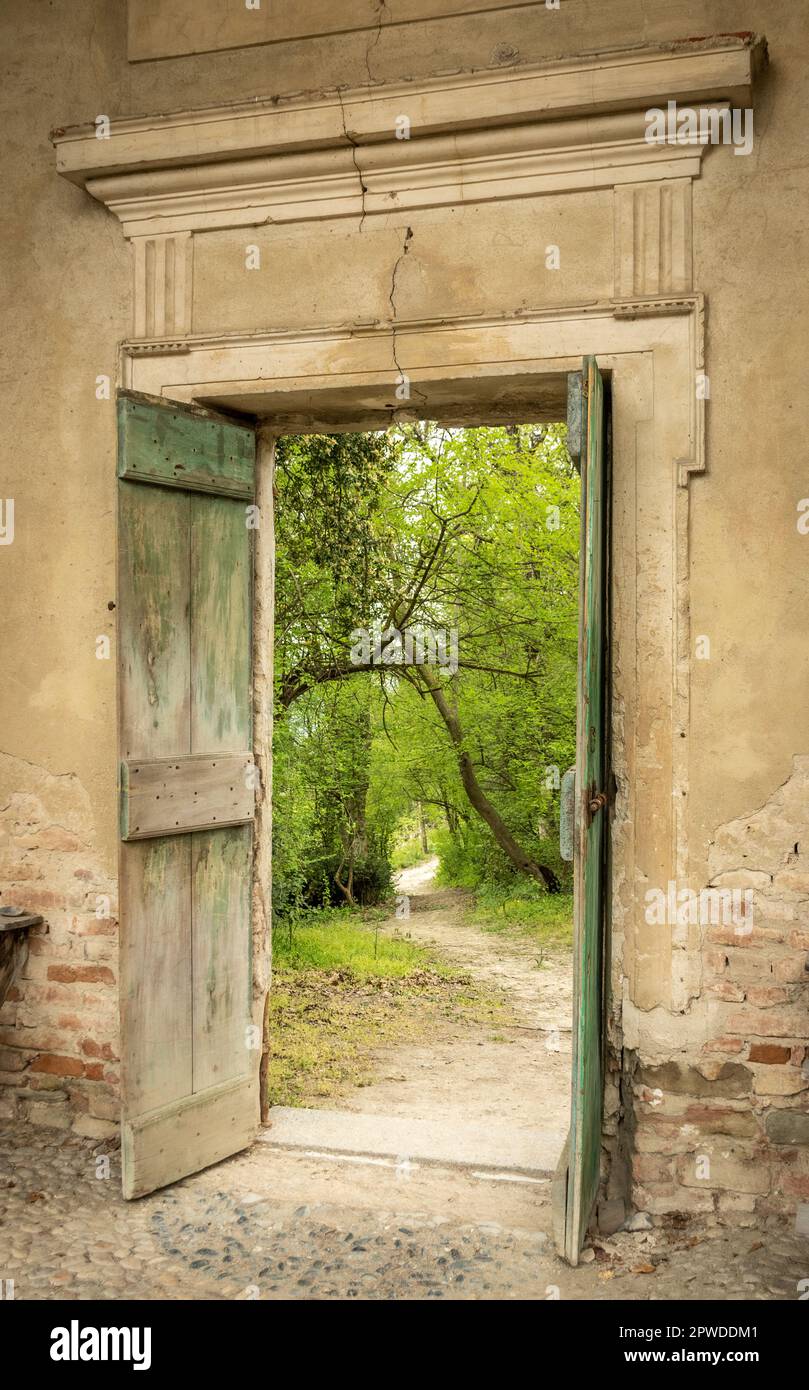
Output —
(65, 301)
(59, 1022)
(722, 1125)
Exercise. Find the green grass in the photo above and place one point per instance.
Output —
(339, 939)
(409, 853)
(342, 989)
(545, 918)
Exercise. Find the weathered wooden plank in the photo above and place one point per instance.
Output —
(221, 881)
(175, 795)
(185, 663)
(175, 447)
(15, 923)
(567, 815)
(156, 1001)
(175, 1140)
(575, 416)
(591, 821)
(221, 657)
(153, 635)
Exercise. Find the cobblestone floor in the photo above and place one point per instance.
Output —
(236, 1232)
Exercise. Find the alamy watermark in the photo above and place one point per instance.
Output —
(704, 125)
(413, 646)
(710, 907)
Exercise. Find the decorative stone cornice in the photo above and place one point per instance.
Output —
(498, 163)
(566, 125)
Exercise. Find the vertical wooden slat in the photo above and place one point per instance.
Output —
(156, 972)
(220, 722)
(220, 879)
(220, 626)
(154, 640)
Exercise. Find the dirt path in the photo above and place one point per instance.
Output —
(518, 1074)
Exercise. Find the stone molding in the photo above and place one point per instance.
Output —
(486, 100)
(568, 126)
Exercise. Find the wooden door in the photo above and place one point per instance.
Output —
(588, 440)
(189, 1053)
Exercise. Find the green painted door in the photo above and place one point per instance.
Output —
(189, 1052)
(588, 441)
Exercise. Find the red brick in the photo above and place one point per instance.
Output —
(716, 960)
(57, 1066)
(726, 1044)
(771, 1053)
(94, 926)
(91, 1048)
(90, 974)
(727, 991)
(94, 1071)
(39, 898)
(791, 969)
(764, 997)
(769, 1023)
(759, 936)
(71, 1022)
(716, 1119)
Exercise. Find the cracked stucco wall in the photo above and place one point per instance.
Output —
(65, 287)
(59, 1020)
(721, 1103)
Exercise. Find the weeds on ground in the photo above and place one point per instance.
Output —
(343, 988)
(526, 910)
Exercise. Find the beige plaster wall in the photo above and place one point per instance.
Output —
(65, 291)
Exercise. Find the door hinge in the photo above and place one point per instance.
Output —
(594, 802)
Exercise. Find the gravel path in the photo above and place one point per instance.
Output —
(240, 1231)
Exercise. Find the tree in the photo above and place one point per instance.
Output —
(472, 533)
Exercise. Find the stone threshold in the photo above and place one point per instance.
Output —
(481, 1146)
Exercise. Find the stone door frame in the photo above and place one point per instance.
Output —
(464, 370)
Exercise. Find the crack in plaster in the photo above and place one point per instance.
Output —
(354, 146)
(381, 10)
(394, 316)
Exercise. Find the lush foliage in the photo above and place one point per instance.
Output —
(468, 533)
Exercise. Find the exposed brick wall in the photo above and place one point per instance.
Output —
(723, 1127)
(59, 1023)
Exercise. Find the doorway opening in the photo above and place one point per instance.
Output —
(438, 568)
(426, 668)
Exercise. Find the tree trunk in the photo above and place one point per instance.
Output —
(425, 848)
(478, 798)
